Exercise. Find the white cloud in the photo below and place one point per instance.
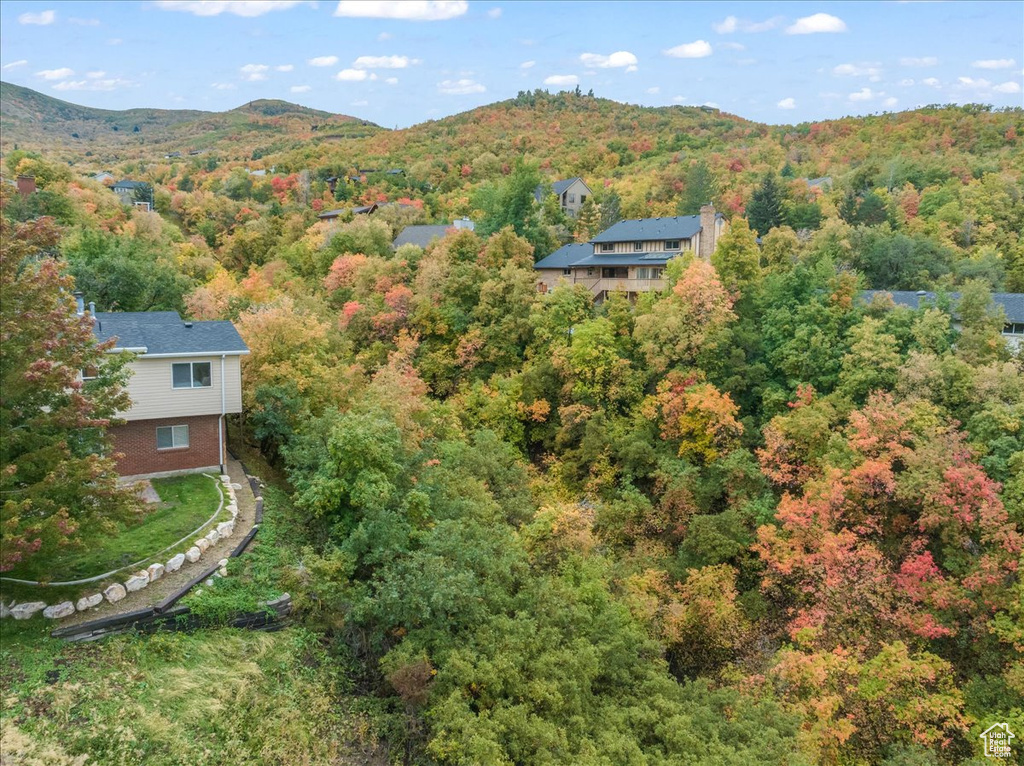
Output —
(695, 50)
(864, 94)
(632, 68)
(351, 75)
(254, 72)
(41, 19)
(653, 91)
(819, 22)
(322, 61)
(787, 103)
(612, 61)
(112, 83)
(712, 104)
(871, 71)
(391, 80)
(494, 13)
(731, 24)
(678, 99)
(460, 87)
(384, 62)
(923, 61)
(56, 74)
(994, 64)
(223, 85)
(528, 65)
(1007, 87)
(931, 82)
(562, 79)
(405, 10)
(247, 8)
(284, 67)
(14, 64)
(906, 82)
(361, 102)
(730, 46)
(891, 101)
(95, 75)
(384, 37)
(84, 22)
(300, 89)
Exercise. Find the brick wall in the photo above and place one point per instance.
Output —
(136, 443)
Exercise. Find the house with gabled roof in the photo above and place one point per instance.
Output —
(630, 256)
(186, 379)
(422, 235)
(571, 193)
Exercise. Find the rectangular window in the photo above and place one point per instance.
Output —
(617, 272)
(607, 247)
(567, 272)
(89, 373)
(590, 272)
(572, 198)
(638, 246)
(171, 437)
(671, 244)
(1013, 328)
(191, 375)
(648, 272)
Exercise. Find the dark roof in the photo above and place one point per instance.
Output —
(823, 181)
(626, 259)
(342, 210)
(126, 184)
(558, 187)
(651, 229)
(164, 332)
(565, 256)
(421, 235)
(1012, 303)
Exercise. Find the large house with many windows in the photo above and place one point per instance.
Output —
(630, 257)
(186, 377)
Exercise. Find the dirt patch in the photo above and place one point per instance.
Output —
(144, 489)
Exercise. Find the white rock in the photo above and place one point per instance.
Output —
(115, 593)
(225, 478)
(137, 581)
(88, 602)
(226, 528)
(235, 485)
(156, 571)
(213, 536)
(202, 544)
(26, 610)
(5, 611)
(222, 563)
(59, 611)
(208, 582)
(223, 571)
(193, 554)
(174, 563)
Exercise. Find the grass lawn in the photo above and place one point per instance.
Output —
(186, 502)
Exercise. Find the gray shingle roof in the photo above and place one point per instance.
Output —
(131, 185)
(648, 229)
(365, 209)
(164, 332)
(558, 187)
(1012, 303)
(421, 235)
(565, 256)
(627, 259)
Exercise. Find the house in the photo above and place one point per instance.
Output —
(571, 193)
(822, 184)
(103, 177)
(423, 235)
(630, 257)
(330, 215)
(130, 191)
(172, 155)
(185, 379)
(1011, 303)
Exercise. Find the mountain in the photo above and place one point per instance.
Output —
(34, 120)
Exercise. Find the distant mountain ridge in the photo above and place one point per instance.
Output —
(36, 118)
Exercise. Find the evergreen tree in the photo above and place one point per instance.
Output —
(700, 189)
(611, 210)
(765, 209)
(588, 222)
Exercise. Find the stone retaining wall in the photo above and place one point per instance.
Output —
(142, 578)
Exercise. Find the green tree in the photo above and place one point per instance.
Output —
(699, 189)
(57, 479)
(764, 210)
(737, 259)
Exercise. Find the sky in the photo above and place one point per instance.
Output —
(402, 63)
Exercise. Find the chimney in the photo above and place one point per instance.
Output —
(79, 302)
(26, 185)
(92, 307)
(708, 231)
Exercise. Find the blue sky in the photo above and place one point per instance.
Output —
(400, 63)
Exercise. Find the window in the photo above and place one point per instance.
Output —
(648, 272)
(607, 247)
(583, 198)
(617, 272)
(89, 373)
(590, 272)
(191, 375)
(671, 244)
(638, 246)
(1013, 328)
(567, 272)
(171, 437)
(572, 198)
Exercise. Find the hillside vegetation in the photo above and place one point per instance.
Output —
(753, 517)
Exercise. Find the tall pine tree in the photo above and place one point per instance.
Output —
(765, 209)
